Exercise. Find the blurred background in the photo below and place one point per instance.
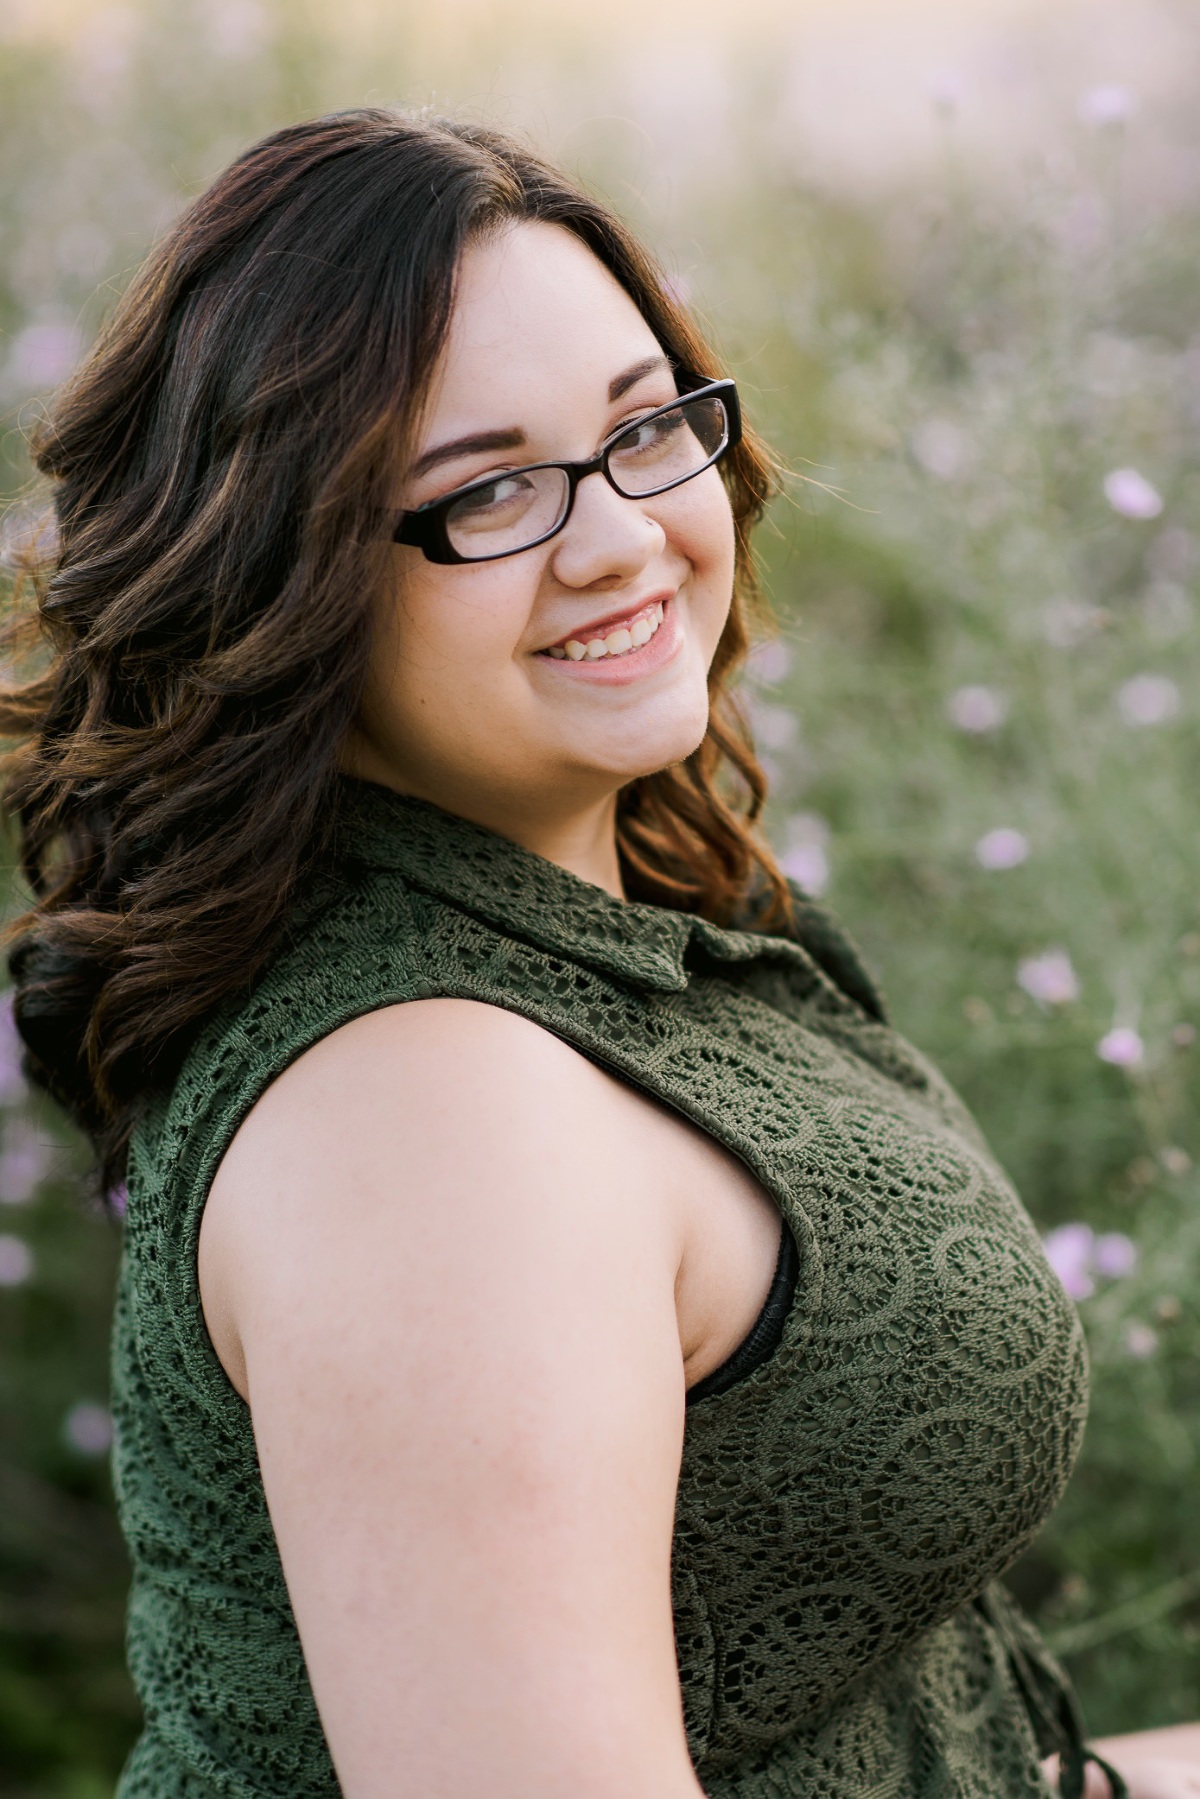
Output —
(952, 254)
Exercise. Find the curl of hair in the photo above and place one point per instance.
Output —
(221, 463)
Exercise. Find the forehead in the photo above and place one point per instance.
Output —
(536, 317)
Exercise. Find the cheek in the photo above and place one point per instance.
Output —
(444, 641)
(700, 527)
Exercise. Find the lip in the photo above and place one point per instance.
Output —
(600, 627)
(634, 665)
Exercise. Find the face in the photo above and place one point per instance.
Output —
(471, 701)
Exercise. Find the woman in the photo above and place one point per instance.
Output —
(568, 1344)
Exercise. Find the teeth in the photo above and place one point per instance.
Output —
(617, 643)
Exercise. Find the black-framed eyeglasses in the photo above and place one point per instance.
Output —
(503, 514)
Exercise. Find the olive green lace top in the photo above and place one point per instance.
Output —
(843, 1512)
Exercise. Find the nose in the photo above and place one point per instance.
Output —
(608, 539)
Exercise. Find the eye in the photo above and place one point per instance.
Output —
(655, 431)
(636, 416)
(649, 438)
(509, 490)
(516, 507)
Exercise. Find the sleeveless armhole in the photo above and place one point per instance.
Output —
(765, 1334)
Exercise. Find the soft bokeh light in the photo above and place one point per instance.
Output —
(977, 709)
(41, 356)
(1002, 848)
(16, 1261)
(1108, 104)
(1069, 1252)
(805, 852)
(1149, 700)
(769, 663)
(26, 1158)
(1115, 1255)
(1049, 978)
(1141, 1341)
(1079, 1257)
(942, 448)
(12, 1081)
(1130, 494)
(1122, 1046)
(89, 1428)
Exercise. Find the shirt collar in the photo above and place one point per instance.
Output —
(541, 903)
(497, 880)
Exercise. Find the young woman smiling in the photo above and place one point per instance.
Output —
(568, 1344)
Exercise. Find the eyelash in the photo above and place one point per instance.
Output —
(641, 412)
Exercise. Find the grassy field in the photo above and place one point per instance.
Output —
(981, 710)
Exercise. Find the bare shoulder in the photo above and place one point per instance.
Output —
(430, 1072)
(423, 1047)
(420, 1132)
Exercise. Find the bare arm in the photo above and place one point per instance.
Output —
(430, 1262)
(1156, 1764)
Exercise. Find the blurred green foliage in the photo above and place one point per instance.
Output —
(981, 716)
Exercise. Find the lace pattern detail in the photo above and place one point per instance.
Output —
(839, 1511)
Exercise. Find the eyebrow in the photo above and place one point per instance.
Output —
(513, 438)
(649, 365)
(466, 446)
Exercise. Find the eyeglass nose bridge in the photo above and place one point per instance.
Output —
(578, 472)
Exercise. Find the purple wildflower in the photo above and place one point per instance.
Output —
(1002, 848)
(1069, 1252)
(1121, 1046)
(16, 1261)
(1049, 978)
(88, 1428)
(1114, 1255)
(1130, 494)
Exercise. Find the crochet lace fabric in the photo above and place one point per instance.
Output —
(842, 1512)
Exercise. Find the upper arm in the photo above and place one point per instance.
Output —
(456, 1311)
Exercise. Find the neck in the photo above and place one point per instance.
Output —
(585, 844)
(582, 839)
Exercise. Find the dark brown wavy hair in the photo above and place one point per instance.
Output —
(221, 463)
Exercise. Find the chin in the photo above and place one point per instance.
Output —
(646, 752)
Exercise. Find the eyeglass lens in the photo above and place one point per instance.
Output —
(522, 506)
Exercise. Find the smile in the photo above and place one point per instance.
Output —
(629, 634)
